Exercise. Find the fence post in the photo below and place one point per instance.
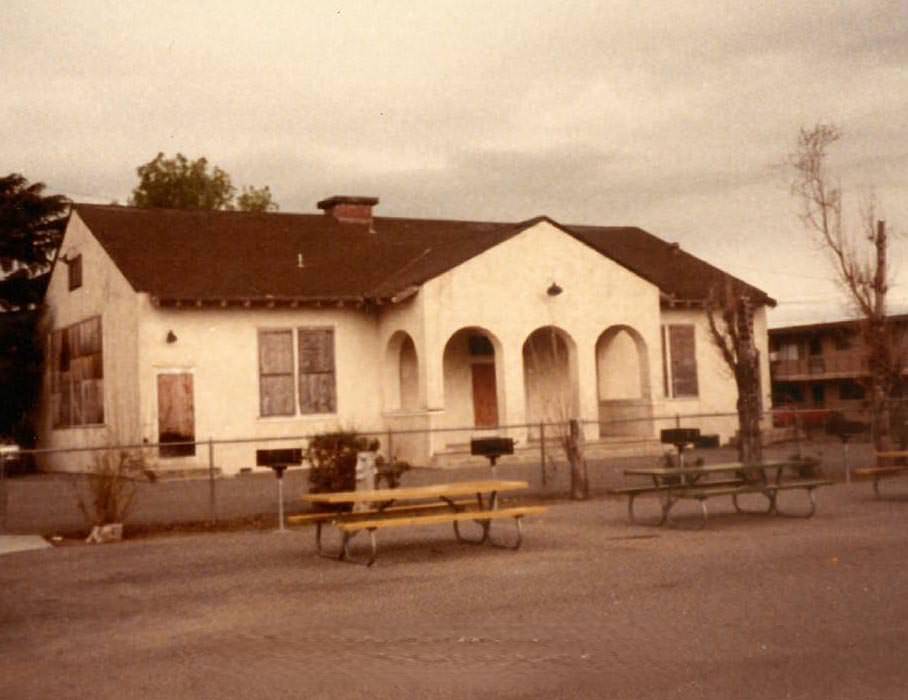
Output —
(580, 488)
(390, 446)
(797, 415)
(2, 492)
(845, 459)
(212, 511)
(542, 448)
(677, 420)
(7, 453)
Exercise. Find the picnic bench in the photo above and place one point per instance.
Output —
(883, 471)
(414, 506)
(735, 479)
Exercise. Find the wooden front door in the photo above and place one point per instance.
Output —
(176, 414)
(485, 395)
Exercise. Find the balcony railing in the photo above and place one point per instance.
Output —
(819, 366)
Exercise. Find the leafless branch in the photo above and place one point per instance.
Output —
(859, 260)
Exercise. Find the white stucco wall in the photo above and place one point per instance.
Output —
(220, 349)
(619, 368)
(504, 291)
(717, 390)
(404, 317)
(106, 293)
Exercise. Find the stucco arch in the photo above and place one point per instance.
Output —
(401, 373)
(623, 383)
(472, 371)
(622, 364)
(550, 376)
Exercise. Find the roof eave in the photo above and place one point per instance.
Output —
(262, 302)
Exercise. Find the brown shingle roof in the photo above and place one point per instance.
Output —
(678, 274)
(177, 254)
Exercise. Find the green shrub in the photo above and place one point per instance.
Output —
(332, 460)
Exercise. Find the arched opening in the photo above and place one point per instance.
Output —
(472, 383)
(622, 378)
(550, 376)
(401, 373)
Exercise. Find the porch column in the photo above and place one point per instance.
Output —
(588, 387)
(431, 379)
(513, 390)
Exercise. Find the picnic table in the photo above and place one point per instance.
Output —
(885, 470)
(454, 503)
(702, 482)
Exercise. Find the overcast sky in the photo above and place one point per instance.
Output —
(669, 116)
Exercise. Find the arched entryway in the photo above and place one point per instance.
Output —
(623, 384)
(472, 383)
(401, 373)
(550, 376)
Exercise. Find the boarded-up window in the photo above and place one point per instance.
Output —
(316, 371)
(680, 369)
(176, 415)
(276, 373)
(76, 368)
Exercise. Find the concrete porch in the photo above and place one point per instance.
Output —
(458, 455)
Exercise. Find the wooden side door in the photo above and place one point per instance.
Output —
(176, 414)
(485, 395)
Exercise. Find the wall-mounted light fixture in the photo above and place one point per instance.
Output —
(171, 337)
(554, 290)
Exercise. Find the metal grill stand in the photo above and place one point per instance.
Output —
(680, 438)
(279, 473)
(492, 448)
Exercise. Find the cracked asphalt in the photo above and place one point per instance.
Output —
(590, 607)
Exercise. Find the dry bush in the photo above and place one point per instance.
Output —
(111, 488)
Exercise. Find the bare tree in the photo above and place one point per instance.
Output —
(549, 359)
(731, 329)
(859, 261)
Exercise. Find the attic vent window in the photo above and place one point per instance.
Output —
(75, 272)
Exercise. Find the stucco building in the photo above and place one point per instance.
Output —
(188, 325)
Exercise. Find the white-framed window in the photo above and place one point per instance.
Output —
(296, 371)
(679, 361)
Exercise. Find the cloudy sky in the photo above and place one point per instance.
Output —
(673, 116)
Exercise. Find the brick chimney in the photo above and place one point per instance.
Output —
(349, 210)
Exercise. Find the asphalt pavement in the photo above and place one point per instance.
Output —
(590, 607)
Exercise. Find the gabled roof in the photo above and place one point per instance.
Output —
(216, 255)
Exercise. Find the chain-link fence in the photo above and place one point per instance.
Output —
(204, 492)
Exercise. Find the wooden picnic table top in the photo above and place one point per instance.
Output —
(710, 468)
(448, 490)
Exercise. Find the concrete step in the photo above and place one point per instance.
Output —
(458, 455)
(184, 472)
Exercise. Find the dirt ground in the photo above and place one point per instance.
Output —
(590, 607)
